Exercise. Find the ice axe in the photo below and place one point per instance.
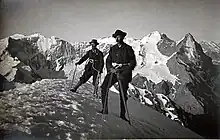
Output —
(96, 84)
(123, 98)
(74, 73)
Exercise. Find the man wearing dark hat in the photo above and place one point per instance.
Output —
(94, 65)
(121, 56)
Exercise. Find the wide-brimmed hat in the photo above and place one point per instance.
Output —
(119, 32)
(94, 41)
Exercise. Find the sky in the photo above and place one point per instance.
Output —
(83, 20)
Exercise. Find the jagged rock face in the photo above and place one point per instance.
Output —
(194, 67)
(183, 96)
(27, 62)
(191, 53)
(58, 51)
(27, 52)
(163, 87)
(80, 48)
(63, 51)
(154, 95)
(196, 84)
(178, 70)
(167, 105)
(199, 67)
(7, 63)
(138, 81)
(166, 46)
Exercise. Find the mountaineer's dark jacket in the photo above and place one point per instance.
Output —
(123, 55)
(97, 57)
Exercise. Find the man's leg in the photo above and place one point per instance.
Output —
(95, 82)
(122, 103)
(95, 74)
(84, 78)
(104, 89)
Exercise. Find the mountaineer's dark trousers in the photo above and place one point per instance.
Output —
(84, 78)
(104, 95)
(87, 74)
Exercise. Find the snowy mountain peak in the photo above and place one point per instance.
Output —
(17, 36)
(187, 46)
(190, 37)
(153, 64)
(151, 37)
(154, 33)
(188, 41)
(35, 35)
(165, 37)
(192, 52)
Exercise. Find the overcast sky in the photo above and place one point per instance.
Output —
(82, 20)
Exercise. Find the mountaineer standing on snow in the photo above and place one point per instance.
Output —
(120, 62)
(93, 67)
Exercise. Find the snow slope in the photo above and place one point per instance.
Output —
(52, 112)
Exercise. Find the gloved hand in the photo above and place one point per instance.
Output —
(116, 65)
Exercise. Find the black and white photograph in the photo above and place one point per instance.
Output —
(109, 69)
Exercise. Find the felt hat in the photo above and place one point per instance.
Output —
(119, 32)
(94, 41)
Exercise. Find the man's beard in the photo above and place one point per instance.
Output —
(119, 41)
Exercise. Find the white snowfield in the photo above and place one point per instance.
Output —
(154, 63)
(53, 112)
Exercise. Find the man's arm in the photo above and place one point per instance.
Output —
(109, 60)
(132, 61)
(84, 58)
(101, 62)
(132, 57)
